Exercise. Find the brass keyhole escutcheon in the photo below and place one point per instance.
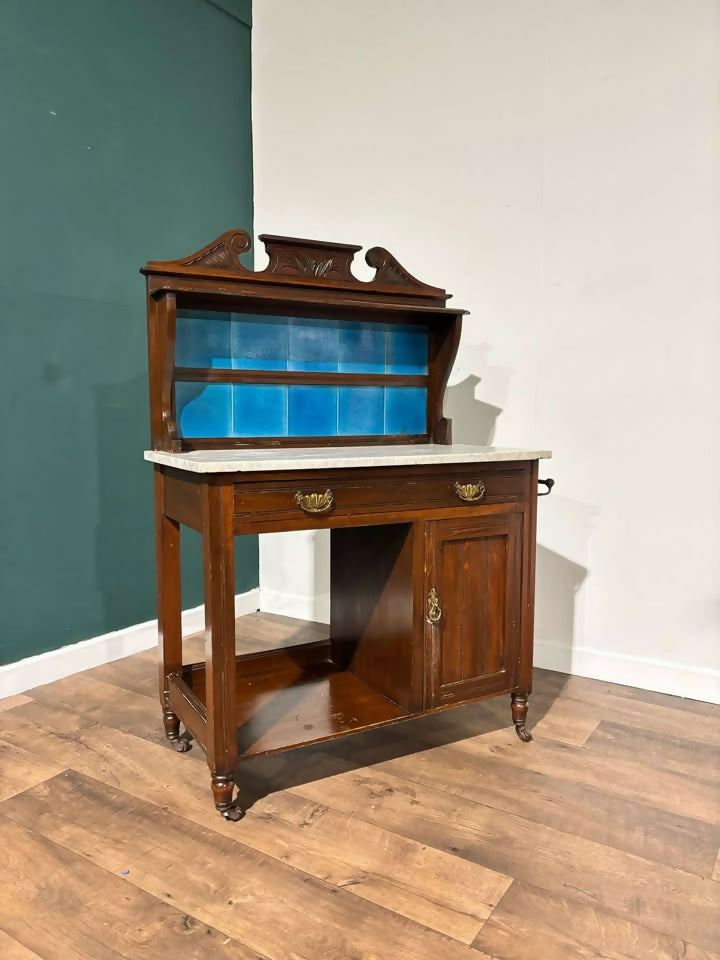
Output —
(470, 492)
(433, 607)
(314, 502)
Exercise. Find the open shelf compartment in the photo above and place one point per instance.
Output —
(297, 695)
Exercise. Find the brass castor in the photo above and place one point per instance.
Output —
(519, 706)
(223, 786)
(172, 732)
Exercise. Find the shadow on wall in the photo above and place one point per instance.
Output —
(473, 421)
(557, 581)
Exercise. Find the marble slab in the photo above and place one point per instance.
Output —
(333, 458)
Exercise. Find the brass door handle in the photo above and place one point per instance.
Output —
(470, 492)
(314, 502)
(433, 607)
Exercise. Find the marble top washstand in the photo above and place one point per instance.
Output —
(324, 458)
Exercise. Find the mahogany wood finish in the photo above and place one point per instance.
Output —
(432, 566)
(303, 277)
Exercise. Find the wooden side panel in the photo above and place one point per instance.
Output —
(475, 567)
(375, 589)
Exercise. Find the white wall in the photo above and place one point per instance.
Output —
(556, 165)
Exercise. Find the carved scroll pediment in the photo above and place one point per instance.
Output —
(293, 260)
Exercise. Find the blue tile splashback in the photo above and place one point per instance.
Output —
(259, 343)
(204, 409)
(405, 409)
(259, 410)
(362, 348)
(289, 343)
(202, 339)
(312, 411)
(313, 345)
(247, 342)
(361, 411)
(277, 410)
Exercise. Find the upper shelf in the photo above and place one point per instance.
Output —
(305, 265)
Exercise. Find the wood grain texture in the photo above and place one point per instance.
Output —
(113, 828)
(60, 905)
(667, 899)
(20, 769)
(599, 840)
(7, 703)
(532, 923)
(10, 949)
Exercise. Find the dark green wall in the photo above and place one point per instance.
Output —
(125, 132)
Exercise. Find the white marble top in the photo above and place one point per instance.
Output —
(324, 458)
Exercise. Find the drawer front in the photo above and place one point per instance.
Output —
(332, 496)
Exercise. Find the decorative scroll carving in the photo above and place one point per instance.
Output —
(293, 260)
(391, 273)
(222, 254)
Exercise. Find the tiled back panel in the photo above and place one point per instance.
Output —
(285, 343)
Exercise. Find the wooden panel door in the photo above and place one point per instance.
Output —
(473, 630)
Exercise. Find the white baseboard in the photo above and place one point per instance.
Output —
(647, 673)
(302, 606)
(56, 664)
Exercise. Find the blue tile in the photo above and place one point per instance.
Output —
(312, 411)
(407, 349)
(259, 343)
(203, 409)
(259, 410)
(313, 345)
(362, 347)
(202, 339)
(361, 410)
(405, 410)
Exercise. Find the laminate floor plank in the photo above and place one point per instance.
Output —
(629, 779)
(532, 923)
(60, 905)
(20, 769)
(444, 892)
(661, 751)
(8, 703)
(654, 834)
(100, 701)
(601, 839)
(583, 687)
(267, 905)
(10, 949)
(669, 901)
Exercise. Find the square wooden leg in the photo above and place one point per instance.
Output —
(219, 566)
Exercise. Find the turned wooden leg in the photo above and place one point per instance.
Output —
(172, 732)
(519, 715)
(218, 560)
(167, 548)
(222, 787)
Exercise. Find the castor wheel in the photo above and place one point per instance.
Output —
(234, 814)
(523, 733)
(519, 715)
(181, 745)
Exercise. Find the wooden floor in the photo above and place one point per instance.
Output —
(437, 839)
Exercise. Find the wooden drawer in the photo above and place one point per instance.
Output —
(392, 492)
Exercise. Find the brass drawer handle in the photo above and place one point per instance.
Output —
(470, 492)
(433, 607)
(314, 502)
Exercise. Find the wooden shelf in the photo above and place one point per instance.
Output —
(295, 696)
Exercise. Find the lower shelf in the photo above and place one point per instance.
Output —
(295, 696)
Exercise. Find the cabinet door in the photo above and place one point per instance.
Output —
(473, 631)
